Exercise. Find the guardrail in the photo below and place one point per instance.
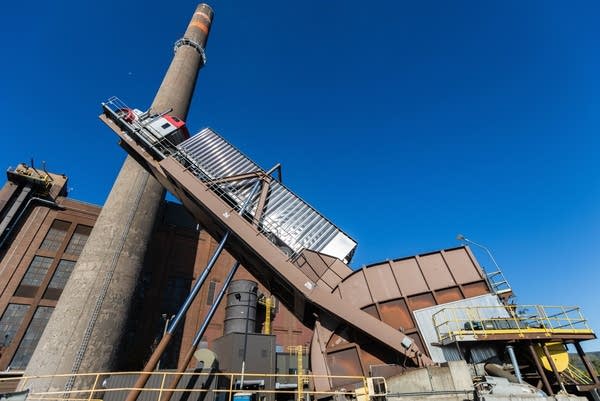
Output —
(98, 385)
(577, 375)
(472, 323)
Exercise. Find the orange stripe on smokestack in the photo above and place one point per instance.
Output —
(202, 14)
(200, 26)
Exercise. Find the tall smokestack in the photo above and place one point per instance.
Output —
(88, 323)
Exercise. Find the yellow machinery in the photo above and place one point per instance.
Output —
(559, 355)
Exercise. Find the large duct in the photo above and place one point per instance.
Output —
(89, 321)
(240, 312)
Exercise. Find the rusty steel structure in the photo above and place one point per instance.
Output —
(379, 317)
(263, 246)
(380, 320)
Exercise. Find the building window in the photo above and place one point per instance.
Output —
(210, 298)
(55, 235)
(78, 240)
(34, 277)
(10, 322)
(31, 338)
(59, 279)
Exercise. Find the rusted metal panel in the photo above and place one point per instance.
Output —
(448, 295)
(409, 276)
(435, 271)
(344, 363)
(396, 314)
(475, 289)
(330, 278)
(381, 280)
(340, 268)
(463, 267)
(421, 301)
(317, 264)
(354, 289)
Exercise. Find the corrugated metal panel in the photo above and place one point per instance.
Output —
(286, 217)
(424, 319)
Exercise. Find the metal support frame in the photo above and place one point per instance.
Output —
(160, 349)
(166, 395)
(257, 252)
(553, 366)
(164, 342)
(513, 359)
(540, 369)
(586, 362)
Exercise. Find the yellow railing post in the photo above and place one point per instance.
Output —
(162, 385)
(569, 320)
(435, 326)
(482, 320)
(94, 387)
(582, 319)
(468, 320)
(544, 319)
(231, 379)
(515, 316)
(454, 320)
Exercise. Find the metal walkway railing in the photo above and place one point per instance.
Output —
(481, 322)
(282, 216)
(266, 253)
(224, 387)
(576, 375)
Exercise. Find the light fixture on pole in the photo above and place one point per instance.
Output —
(461, 237)
(486, 275)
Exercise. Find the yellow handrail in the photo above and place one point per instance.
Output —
(483, 321)
(93, 392)
(579, 375)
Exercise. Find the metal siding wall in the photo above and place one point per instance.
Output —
(424, 318)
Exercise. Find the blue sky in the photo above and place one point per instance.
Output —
(403, 123)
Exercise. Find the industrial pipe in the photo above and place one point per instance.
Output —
(188, 357)
(513, 359)
(43, 201)
(494, 369)
(160, 349)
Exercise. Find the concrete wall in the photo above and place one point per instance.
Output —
(452, 382)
